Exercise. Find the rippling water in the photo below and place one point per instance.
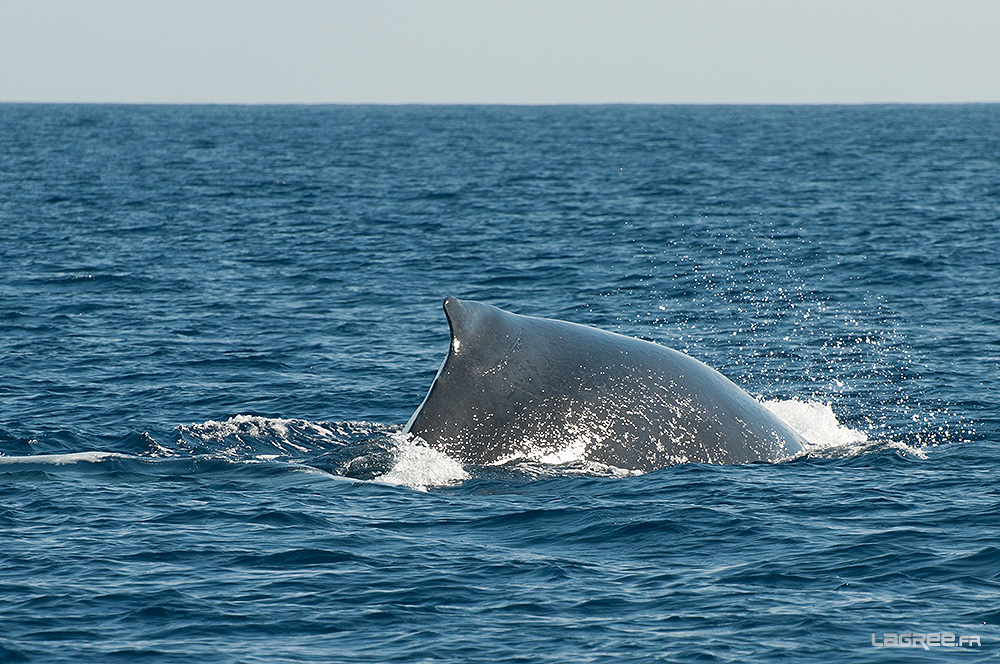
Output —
(215, 320)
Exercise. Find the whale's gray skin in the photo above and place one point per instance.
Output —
(520, 387)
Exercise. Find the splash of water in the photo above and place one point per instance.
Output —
(420, 467)
(825, 435)
(817, 423)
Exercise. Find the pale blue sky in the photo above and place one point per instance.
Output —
(504, 51)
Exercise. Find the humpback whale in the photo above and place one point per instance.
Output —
(519, 387)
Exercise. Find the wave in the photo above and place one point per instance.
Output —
(380, 453)
(263, 437)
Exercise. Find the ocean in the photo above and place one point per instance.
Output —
(215, 322)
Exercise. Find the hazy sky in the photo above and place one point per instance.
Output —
(500, 51)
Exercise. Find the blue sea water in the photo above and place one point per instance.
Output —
(215, 320)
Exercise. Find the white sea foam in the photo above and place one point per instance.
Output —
(266, 438)
(816, 422)
(60, 459)
(255, 426)
(420, 467)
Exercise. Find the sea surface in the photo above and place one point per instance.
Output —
(215, 321)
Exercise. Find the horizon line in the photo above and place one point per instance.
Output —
(503, 103)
